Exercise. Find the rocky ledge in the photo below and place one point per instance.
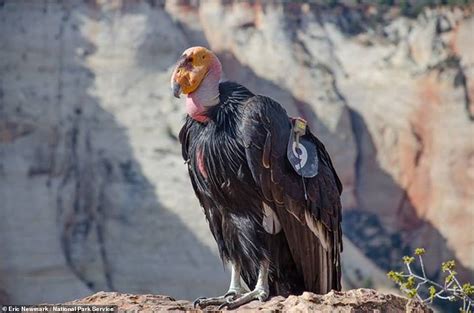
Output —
(357, 300)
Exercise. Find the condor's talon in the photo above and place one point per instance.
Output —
(259, 294)
(203, 302)
(196, 302)
(235, 290)
(223, 306)
(261, 291)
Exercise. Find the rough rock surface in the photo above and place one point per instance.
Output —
(359, 300)
(93, 191)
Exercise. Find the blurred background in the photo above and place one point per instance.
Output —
(94, 194)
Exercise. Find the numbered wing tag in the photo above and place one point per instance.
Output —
(302, 155)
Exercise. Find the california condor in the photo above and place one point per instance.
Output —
(267, 186)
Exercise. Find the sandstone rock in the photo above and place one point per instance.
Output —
(411, 119)
(361, 300)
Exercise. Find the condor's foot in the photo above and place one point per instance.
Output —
(235, 291)
(227, 298)
(259, 293)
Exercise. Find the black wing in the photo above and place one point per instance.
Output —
(312, 227)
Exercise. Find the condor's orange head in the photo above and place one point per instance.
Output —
(193, 66)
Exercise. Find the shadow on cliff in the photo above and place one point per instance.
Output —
(387, 241)
(115, 232)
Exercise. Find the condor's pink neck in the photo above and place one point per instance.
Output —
(207, 94)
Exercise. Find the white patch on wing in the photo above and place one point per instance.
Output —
(317, 228)
(270, 222)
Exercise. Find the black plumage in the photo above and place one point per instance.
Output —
(237, 161)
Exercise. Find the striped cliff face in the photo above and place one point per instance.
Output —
(88, 127)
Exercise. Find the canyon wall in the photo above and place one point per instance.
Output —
(94, 194)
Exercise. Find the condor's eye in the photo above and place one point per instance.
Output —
(190, 59)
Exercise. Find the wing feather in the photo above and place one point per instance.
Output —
(312, 227)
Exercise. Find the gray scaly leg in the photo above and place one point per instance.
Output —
(235, 290)
(261, 291)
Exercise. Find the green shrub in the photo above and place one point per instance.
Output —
(416, 285)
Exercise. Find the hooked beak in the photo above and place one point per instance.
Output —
(176, 89)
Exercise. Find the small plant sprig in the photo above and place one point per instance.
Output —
(412, 283)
